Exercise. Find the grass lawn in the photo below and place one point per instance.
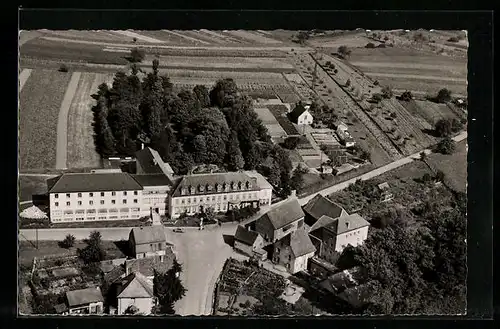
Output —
(29, 185)
(107, 223)
(40, 101)
(27, 250)
(454, 166)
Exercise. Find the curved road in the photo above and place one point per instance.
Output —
(203, 253)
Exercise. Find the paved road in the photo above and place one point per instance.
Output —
(203, 253)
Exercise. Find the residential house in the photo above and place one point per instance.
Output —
(94, 197)
(155, 193)
(301, 115)
(85, 301)
(135, 290)
(280, 221)
(343, 280)
(321, 206)
(332, 235)
(148, 241)
(149, 161)
(219, 191)
(385, 191)
(293, 251)
(249, 242)
(147, 266)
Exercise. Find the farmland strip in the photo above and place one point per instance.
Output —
(419, 77)
(187, 37)
(220, 36)
(25, 74)
(138, 36)
(62, 123)
(252, 37)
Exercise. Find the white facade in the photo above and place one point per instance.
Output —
(144, 305)
(155, 197)
(354, 238)
(91, 308)
(305, 118)
(300, 263)
(95, 206)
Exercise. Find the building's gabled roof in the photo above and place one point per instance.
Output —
(322, 222)
(149, 234)
(297, 112)
(262, 182)
(84, 296)
(95, 182)
(321, 206)
(347, 223)
(245, 236)
(300, 243)
(152, 163)
(136, 285)
(146, 266)
(284, 214)
(115, 273)
(152, 180)
(211, 180)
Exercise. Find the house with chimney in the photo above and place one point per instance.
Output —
(321, 206)
(148, 241)
(300, 115)
(294, 251)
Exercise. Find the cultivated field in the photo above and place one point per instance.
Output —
(408, 69)
(428, 111)
(454, 166)
(80, 150)
(40, 102)
(273, 127)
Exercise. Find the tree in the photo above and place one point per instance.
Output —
(443, 96)
(68, 242)
(235, 159)
(103, 135)
(201, 93)
(291, 143)
(63, 68)
(370, 45)
(344, 51)
(387, 92)
(93, 252)
(136, 55)
(154, 108)
(443, 127)
(348, 83)
(440, 176)
(223, 93)
(406, 96)
(301, 37)
(297, 179)
(423, 156)
(168, 288)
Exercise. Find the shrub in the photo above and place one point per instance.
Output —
(382, 45)
(446, 146)
(344, 51)
(376, 83)
(453, 39)
(68, 242)
(348, 83)
(63, 68)
(377, 97)
(328, 63)
(393, 115)
(440, 176)
(406, 96)
(370, 45)
(443, 96)
(335, 71)
(386, 38)
(136, 55)
(387, 92)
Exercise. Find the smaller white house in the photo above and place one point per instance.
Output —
(136, 292)
(85, 301)
(249, 242)
(300, 115)
(294, 251)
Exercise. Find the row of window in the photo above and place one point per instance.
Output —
(93, 211)
(218, 187)
(218, 198)
(91, 194)
(71, 218)
(91, 202)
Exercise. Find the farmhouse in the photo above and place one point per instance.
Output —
(219, 191)
(148, 241)
(135, 290)
(249, 242)
(332, 235)
(300, 115)
(85, 301)
(280, 221)
(293, 251)
(320, 206)
(94, 196)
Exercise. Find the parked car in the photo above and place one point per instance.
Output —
(178, 230)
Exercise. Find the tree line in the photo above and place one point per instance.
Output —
(192, 127)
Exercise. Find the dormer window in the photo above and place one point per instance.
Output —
(183, 191)
(239, 185)
(218, 187)
(201, 188)
(248, 185)
(225, 186)
(192, 189)
(209, 188)
(233, 186)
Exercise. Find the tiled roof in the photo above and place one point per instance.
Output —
(68, 183)
(296, 112)
(300, 243)
(149, 234)
(152, 180)
(262, 182)
(204, 181)
(284, 214)
(136, 285)
(147, 265)
(152, 163)
(321, 222)
(319, 206)
(84, 296)
(245, 236)
(347, 223)
(113, 275)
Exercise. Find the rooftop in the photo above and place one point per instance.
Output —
(321, 206)
(152, 163)
(284, 214)
(146, 266)
(296, 112)
(322, 222)
(135, 285)
(149, 234)
(300, 243)
(84, 296)
(245, 236)
(93, 182)
(152, 180)
(347, 223)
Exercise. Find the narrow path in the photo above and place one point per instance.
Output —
(62, 123)
(23, 77)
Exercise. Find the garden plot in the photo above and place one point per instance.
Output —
(280, 113)
(185, 36)
(40, 101)
(253, 37)
(270, 122)
(454, 166)
(106, 36)
(352, 41)
(81, 147)
(432, 112)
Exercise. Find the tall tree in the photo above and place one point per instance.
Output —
(235, 159)
(155, 108)
(201, 93)
(168, 288)
(224, 93)
(93, 252)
